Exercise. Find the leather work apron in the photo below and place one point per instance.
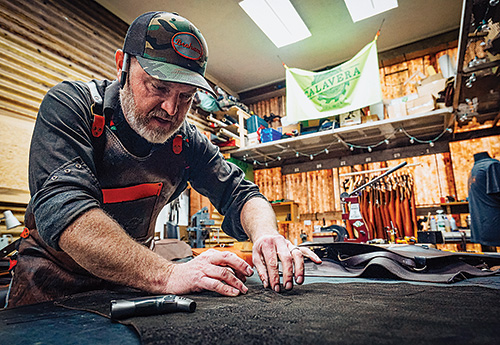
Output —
(135, 189)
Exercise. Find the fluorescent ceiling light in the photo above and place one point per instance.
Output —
(362, 9)
(278, 19)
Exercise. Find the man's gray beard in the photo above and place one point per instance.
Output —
(139, 123)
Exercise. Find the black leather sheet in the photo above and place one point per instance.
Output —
(412, 263)
(322, 313)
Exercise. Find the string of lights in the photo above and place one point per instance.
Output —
(248, 158)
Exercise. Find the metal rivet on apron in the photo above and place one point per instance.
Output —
(54, 177)
(78, 166)
(67, 171)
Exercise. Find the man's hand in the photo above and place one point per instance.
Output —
(269, 249)
(219, 271)
(102, 247)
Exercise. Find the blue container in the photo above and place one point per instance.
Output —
(254, 122)
(269, 134)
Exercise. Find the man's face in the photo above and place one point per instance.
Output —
(155, 109)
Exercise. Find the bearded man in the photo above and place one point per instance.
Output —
(107, 156)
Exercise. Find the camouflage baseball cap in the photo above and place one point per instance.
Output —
(169, 47)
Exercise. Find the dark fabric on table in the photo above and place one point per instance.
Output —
(412, 263)
(322, 313)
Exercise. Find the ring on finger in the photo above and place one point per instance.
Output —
(291, 251)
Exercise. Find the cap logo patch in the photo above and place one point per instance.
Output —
(187, 45)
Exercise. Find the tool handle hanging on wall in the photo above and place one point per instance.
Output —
(390, 171)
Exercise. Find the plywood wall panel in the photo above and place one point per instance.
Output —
(429, 175)
(294, 189)
(321, 192)
(15, 136)
(270, 183)
(275, 105)
(415, 71)
(314, 192)
(336, 190)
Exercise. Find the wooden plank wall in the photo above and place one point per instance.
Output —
(270, 183)
(42, 43)
(274, 105)
(401, 79)
(318, 192)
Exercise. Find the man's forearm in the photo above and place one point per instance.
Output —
(258, 219)
(98, 244)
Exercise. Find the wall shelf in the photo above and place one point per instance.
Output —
(239, 115)
(484, 87)
(425, 126)
(455, 207)
(286, 212)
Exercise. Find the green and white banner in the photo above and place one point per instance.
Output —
(353, 85)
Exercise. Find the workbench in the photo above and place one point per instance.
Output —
(322, 311)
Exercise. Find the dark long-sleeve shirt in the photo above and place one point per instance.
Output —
(71, 172)
(63, 136)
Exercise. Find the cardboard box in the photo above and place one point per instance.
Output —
(397, 107)
(369, 118)
(290, 128)
(396, 110)
(432, 88)
(431, 78)
(310, 123)
(421, 105)
(350, 118)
